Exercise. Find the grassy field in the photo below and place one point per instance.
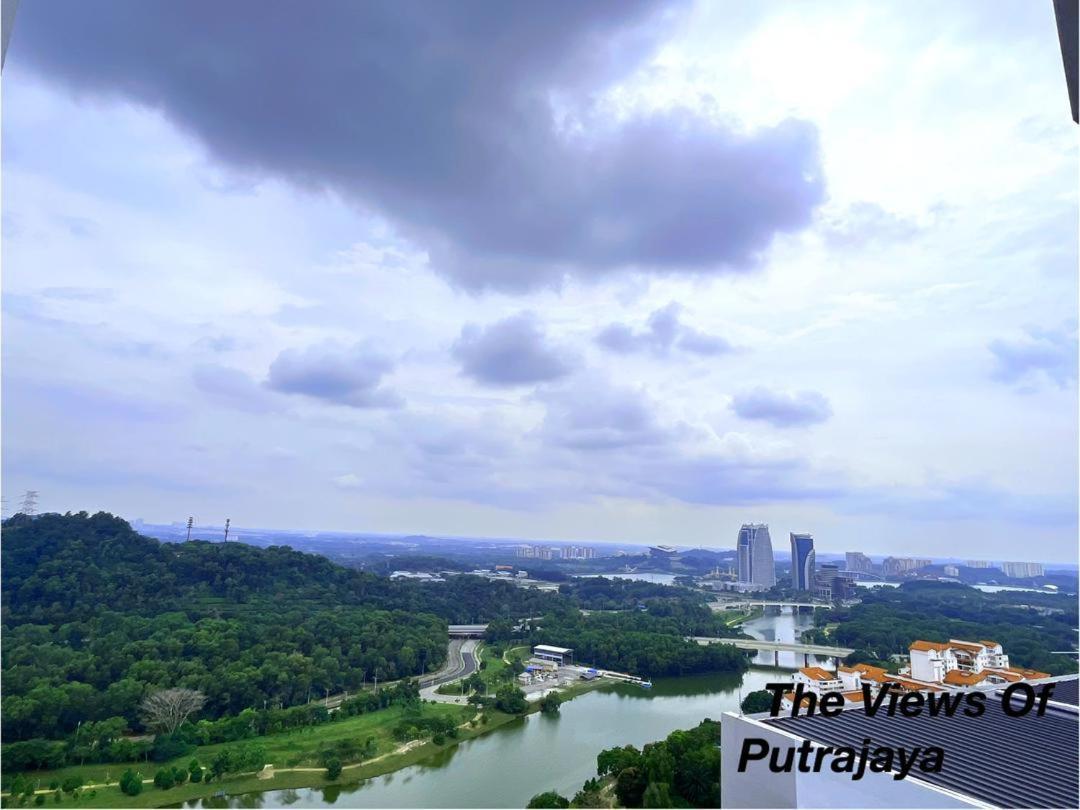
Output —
(293, 754)
(298, 748)
(734, 617)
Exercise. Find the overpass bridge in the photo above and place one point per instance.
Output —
(777, 647)
(745, 603)
(467, 630)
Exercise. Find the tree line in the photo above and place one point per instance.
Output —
(682, 770)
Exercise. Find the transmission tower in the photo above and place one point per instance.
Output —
(190, 520)
(226, 530)
(29, 502)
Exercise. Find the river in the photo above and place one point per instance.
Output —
(508, 766)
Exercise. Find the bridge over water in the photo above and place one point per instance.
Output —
(745, 603)
(777, 647)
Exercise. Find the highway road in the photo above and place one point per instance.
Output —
(461, 662)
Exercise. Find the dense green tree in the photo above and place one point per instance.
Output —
(548, 799)
(131, 782)
(630, 787)
(657, 794)
(511, 700)
(333, 768)
(682, 770)
(612, 760)
(757, 701)
(550, 703)
(164, 778)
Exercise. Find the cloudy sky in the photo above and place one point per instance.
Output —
(614, 271)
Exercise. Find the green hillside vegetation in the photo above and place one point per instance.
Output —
(95, 616)
(682, 770)
(650, 643)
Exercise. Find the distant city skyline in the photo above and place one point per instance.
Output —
(803, 561)
(547, 289)
(754, 555)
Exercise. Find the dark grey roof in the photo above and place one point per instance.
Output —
(1066, 691)
(1004, 761)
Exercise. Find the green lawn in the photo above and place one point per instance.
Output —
(295, 748)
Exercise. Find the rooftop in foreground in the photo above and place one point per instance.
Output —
(996, 759)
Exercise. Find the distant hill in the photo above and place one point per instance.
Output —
(95, 615)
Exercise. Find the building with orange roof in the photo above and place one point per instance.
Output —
(932, 661)
(818, 680)
(957, 678)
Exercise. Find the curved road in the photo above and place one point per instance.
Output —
(461, 662)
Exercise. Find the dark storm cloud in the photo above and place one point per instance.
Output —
(662, 332)
(782, 409)
(467, 123)
(1041, 353)
(513, 351)
(332, 373)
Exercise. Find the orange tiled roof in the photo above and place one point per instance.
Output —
(853, 697)
(1011, 677)
(966, 645)
(817, 673)
(925, 646)
(1030, 674)
(790, 696)
(989, 643)
(957, 678)
(872, 673)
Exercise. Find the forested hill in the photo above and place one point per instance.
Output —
(61, 568)
(96, 615)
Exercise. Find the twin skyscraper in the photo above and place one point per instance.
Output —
(755, 555)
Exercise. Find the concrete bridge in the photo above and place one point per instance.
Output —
(467, 630)
(777, 647)
(717, 606)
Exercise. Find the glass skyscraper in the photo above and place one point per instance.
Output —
(802, 562)
(755, 555)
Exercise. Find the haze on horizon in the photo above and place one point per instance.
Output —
(626, 271)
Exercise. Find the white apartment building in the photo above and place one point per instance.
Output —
(1022, 570)
(965, 663)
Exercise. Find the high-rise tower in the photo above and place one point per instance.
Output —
(755, 555)
(802, 562)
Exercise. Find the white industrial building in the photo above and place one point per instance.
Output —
(558, 655)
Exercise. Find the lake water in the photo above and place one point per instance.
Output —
(983, 588)
(510, 765)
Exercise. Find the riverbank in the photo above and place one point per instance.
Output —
(292, 755)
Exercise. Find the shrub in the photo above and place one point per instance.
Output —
(548, 799)
(130, 783)
(164, 778)
(333, 768)
(551, 703)
(71, 784)
(39, 799)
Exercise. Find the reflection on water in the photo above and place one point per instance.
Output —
(508, 766)
(786, 625)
